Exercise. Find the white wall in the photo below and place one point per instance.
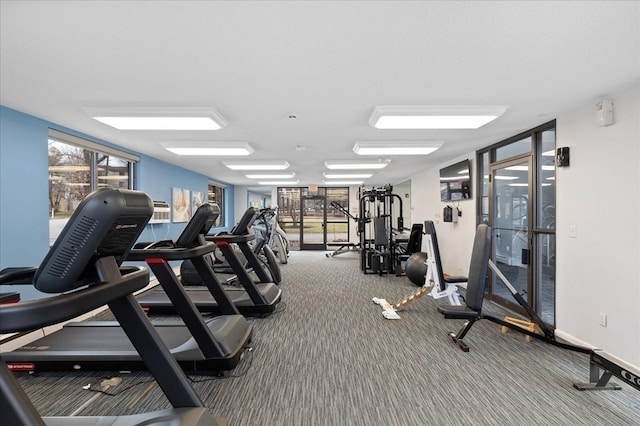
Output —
(455, 239)
(598, 271)
(239, 203)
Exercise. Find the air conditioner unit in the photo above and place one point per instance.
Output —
(161, 212)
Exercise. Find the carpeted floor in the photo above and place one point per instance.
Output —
(328, 357)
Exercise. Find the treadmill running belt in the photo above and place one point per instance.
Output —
(106, 347)
(157, 301)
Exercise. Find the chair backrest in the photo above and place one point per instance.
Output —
(106, 223)
(433, 249)
(478, 268)
(200, 224)
(414, 244)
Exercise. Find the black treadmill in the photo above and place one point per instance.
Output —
(82, 272)
(252, 299)
(211, 346)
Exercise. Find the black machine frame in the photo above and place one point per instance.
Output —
(378, 245)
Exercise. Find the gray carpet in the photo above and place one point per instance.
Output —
(330, 358)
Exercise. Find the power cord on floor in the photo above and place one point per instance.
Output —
(282, 306)
(109, 382)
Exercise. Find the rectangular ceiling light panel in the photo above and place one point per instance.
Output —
(434, 117)
(396, 148)
(210, 148)
(356, 165)
(279, 182)
(343, 182)
(256, 165)
(158, 118)
(274, 176)
(347, 175)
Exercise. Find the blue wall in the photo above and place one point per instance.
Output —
(24, 220)
(157, 178)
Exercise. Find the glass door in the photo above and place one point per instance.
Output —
(510, 215)
(313, 235)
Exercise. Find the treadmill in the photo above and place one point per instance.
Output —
(251, 299)
(199, 346)
(82, 272)
(260, 245)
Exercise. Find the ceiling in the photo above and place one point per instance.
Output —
(328, 62)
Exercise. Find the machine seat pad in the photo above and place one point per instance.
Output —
(458, 312)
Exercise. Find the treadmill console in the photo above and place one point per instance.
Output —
(200, 224)
(106, 223)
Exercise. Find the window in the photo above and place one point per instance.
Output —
(337, 225)
(77, 167)
(216, 196)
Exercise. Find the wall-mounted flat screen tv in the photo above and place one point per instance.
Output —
(455, 181)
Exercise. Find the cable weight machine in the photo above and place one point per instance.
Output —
(378, 245)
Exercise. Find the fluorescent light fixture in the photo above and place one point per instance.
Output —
(551, 178)
(356, 165)
(280, 176)
(434, 117)
(347, 175)
(550, 153)
(396, 148)
(279, 182)
(209, 148)
(342, 182)
(256, 165)
(518, 184)
(454, 178)
(499, 177)
(154, 118)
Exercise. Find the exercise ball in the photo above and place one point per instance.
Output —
(415, 268)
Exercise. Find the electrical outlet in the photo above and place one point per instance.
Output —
(603, 319)
(573, 231)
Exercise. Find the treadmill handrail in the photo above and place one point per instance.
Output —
(170, 253)
(231, 238)
(17, 276)
(33, 314)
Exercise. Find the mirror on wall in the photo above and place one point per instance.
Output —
(403, 190)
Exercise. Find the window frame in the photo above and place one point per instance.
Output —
(219, 189)
(93, 149)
